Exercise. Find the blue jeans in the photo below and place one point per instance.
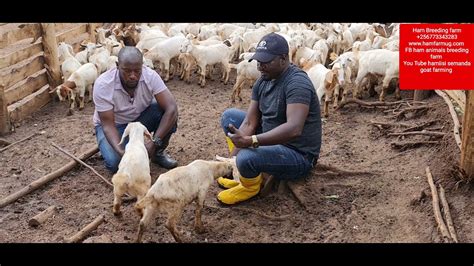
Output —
(277, 160)
(150, 118)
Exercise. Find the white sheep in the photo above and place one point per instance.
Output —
(177, 188)
(133, 175)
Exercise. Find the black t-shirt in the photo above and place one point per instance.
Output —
(293, 86)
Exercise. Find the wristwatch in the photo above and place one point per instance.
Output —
(254, 141)
(157, 141)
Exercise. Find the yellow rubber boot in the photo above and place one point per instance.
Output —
(230, 144)
(225, 182)
(248, 188)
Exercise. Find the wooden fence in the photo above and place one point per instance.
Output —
(29, 65)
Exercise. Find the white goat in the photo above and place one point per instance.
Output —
(247, 73)
(133, 175)
(378, 62)
(209, 55)
(164, 51)
(77, 83)
(70, 63)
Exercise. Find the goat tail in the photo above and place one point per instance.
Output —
(119, 178)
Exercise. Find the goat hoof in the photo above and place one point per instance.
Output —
(117, 213)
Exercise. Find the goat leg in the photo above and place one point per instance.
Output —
(173, 218)
(141, 229)
(197, 219)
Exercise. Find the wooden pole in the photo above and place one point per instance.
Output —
(420, 95)
(91, 29)
(45, 179)
(86, 230)
(42, 216)
(4, 117)
(467, 146)
(50, 48)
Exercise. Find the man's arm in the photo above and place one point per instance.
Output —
(107, 120)
(248, 127)
(296, 116)
(166, 102)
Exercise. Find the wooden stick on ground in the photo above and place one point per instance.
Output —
(127, 196)
(45, 179)
(86, 230)
(437, 212)
(4, 142)
(457, 126)
(408, 109)
(81, 162)
(421, 126)
(297, 195)
(388, 124)
(365, 104)
(42, 216)
(21, 140)
(447, 214)
(423, 132)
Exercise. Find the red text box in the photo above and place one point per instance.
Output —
(436, 56)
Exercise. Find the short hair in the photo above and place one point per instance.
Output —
(130, 54)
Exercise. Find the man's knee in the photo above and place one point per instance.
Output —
(112, 163)
(232, 116)
(247, 164)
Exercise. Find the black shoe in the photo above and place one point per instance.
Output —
(164, 160)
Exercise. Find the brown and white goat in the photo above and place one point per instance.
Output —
(177, 188)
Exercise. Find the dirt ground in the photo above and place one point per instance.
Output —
(391, 203)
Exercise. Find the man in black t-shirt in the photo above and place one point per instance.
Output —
(281, 132)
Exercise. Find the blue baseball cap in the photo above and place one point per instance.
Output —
(270, 46)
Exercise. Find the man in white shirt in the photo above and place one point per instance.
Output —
(133, 92)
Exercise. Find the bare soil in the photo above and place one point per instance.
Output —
(393, 204)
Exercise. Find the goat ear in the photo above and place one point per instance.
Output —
(147, 133)
(125, 134)
(329, 77)
(227, 42)
(348, 74)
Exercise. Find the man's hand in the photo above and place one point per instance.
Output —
(150, 148)
(238, 138)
